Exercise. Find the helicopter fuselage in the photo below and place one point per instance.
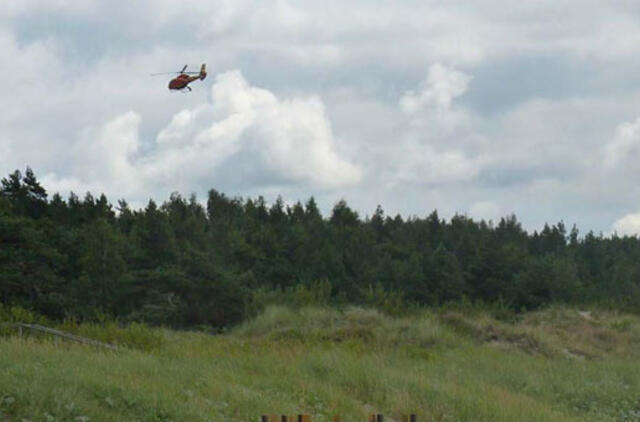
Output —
(183, 80)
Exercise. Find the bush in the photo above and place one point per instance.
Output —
(134, 335)
(317, 293)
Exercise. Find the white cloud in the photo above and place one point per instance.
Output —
(628, 225)
(289, 139)
(244, 128)
(5, 151)
(108, 154)
(485, 210)
(103, 160)
(426, 155)
(437, 92)
(551, 82)
(434, 117)
(423, 165)
(625, 146)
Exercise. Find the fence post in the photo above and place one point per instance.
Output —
(373, 417)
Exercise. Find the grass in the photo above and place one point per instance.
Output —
(449, 365)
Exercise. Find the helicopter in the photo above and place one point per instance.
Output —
(183, 79)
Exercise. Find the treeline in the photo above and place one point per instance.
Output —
(184, 264)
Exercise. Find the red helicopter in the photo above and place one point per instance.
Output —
(183, 79)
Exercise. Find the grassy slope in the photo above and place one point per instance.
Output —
(554, 365)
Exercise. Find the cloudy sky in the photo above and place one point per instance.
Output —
(483, 107)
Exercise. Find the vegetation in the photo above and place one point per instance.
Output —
(453, 364)
(183, 264)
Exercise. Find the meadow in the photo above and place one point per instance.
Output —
(455, 364)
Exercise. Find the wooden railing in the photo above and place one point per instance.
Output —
(57, 334)
(374, 417)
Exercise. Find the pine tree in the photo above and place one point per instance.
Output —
(103, 268)
(26, 195)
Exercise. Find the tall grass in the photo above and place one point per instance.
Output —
(445, 365)
(133, 335)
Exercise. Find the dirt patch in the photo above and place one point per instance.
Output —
(576, 354)
(523, 341)
(586, 315)
(496, 335)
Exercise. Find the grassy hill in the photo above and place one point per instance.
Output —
(559, 364)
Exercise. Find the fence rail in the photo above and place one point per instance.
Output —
(57, 334)
(374, 417)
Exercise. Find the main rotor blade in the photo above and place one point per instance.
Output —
(177, 73)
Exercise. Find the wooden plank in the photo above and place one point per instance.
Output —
(59, 334)
(373, 417)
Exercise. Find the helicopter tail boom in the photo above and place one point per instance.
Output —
(203, 71)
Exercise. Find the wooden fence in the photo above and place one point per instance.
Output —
(374, 417)
(57, 334)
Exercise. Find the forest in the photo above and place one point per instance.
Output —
(189, 263)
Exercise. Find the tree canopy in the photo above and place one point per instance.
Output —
(183, 263)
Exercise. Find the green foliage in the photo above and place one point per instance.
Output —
(186, 264)
(560, 364)
(25, 194)
(317, 294)
(391, 302)
(18, 314)
(134, 335)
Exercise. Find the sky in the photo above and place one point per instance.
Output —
(484, 108)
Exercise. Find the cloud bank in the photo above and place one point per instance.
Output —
(244, 136)
(483, 107)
